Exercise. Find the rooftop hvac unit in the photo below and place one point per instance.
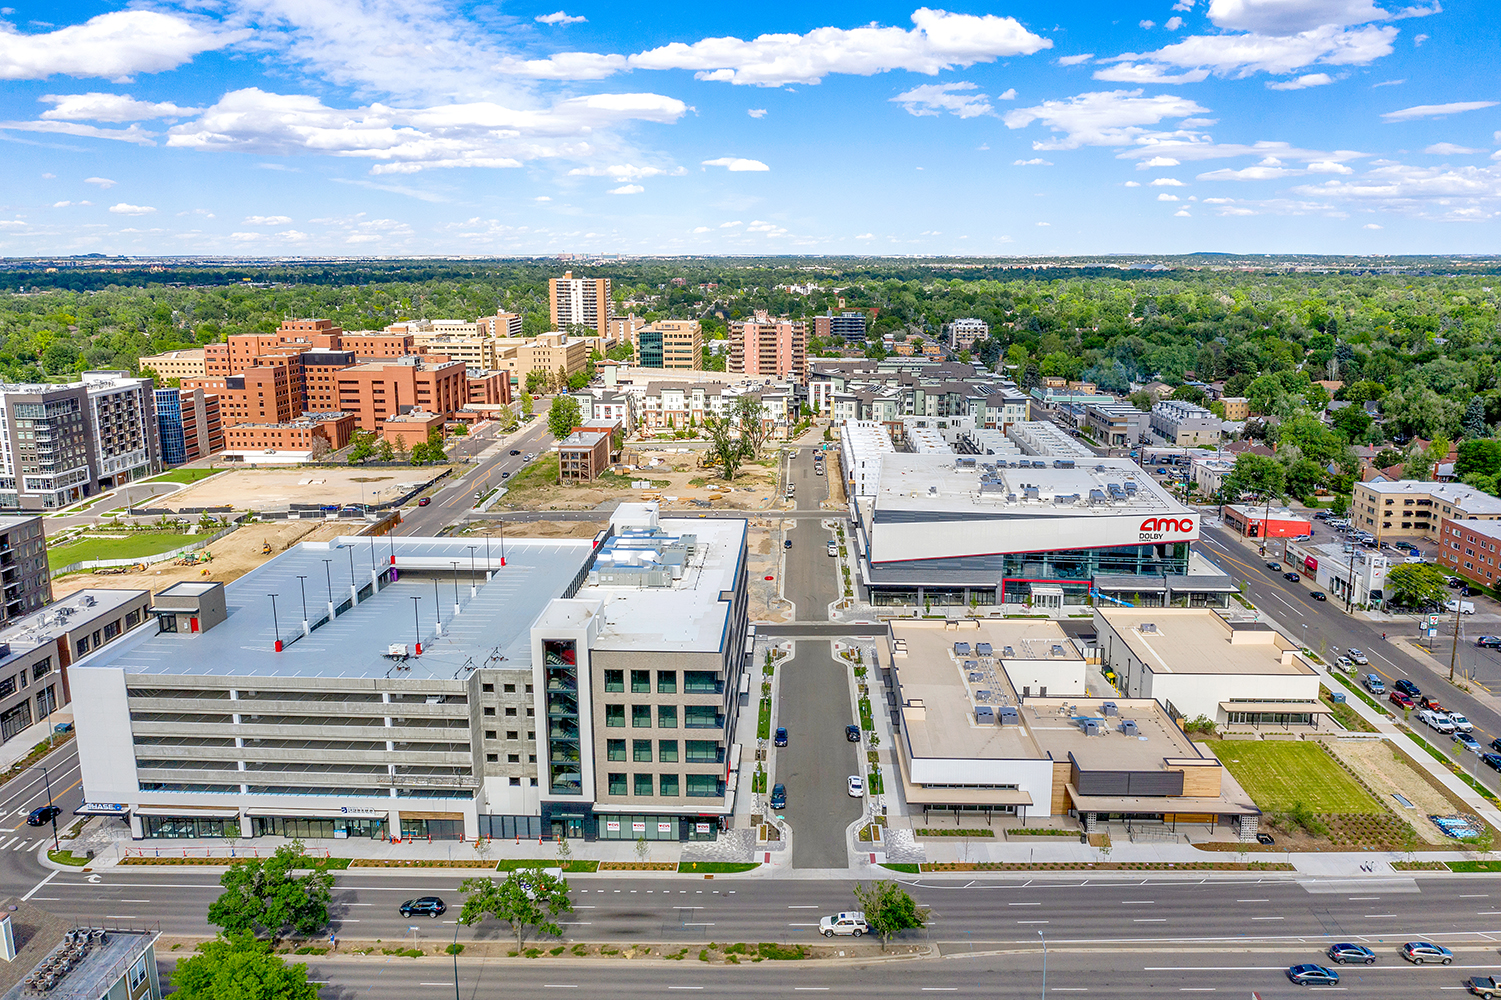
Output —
(982, 648)
(1096, 496)
(964, 463)
(1057, 650)
(89, 600)
(975, 675)
(1109, 708)
(1128, 727)
(1011, 498)
(397, 649)
(985, 715)
(1091, 727)
(1063, 463)
(1039, 465)
(1099, 468)
(1008, 651)
(961, 649)
(971, 664)
(1007, 715)
(1130, 486)
(1148, 628)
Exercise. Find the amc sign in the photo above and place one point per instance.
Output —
(1165, 529)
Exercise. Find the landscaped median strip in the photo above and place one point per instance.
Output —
(574, 867)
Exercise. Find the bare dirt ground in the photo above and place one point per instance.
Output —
(538, 529)
(1387, 773)
(766, 604)
(234, 556)
(673, 472)
(264, 489)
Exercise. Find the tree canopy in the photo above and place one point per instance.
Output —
(240, 968)
(563, 416)
(1413, 585)
(889, 909)
(528, 898)
(266, 896)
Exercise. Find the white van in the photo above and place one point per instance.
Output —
(1463, 607)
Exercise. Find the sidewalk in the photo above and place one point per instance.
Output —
(25, 741)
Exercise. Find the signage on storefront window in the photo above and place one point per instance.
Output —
(664, 827)
(638, 826)
(701, 827)
(612, 826)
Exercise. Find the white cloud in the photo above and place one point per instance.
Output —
(110, 108)
(624, 171)
(1168, 182)
(866, 236)
(102, 182)
(627, 189)
(1449, 149)
(134, 134)
(1034, 162)
(1192, 149)
(701, 229)
(1372, 225)
(1075, 60)
(114, 45)
(407, 140)
(1108, 118)
(1168, 197)
(731, 225)
(1133, 184)
(65, 204)
(126, 209)
(1289, 17)
(267, 220)
(1173, 23)
(1129, 72)
(1451, 194)
(1009, 95)
(1436, 110)
(1157, 161)
(1301, 83)
(1244, 55)
(542, 197)
(1182, 213)
(1184, 5)
(761, 226)
(1389, 83)
(756, 112)
(735, 164)
(1418, 40)
(1044, 223)
(936, 98)
(938, 41)
(560, 17)
(1146, 25)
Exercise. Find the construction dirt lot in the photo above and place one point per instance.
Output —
(234, 555)
(268, 489)
(673, 472)
(1387, 773)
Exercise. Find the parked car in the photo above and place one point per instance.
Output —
(852, 733)
(515, 451)
(779, 738)
(1291, 577)
(1496, 745)
(1401, 700)
(1467, 741)
(424, 501)
(1463, 607)
(1460, 722)
(1374, 684)
(779, 796)
(1312, 975)
(1429, 701)
(1357, 656)
(43, 815)
(1489, 642)
(1275, 567)
(424, 906)
(1408, 688)
(1436, 721)
(1491, 760)
(856, 787)
(852, 922)
(787, 544)
(1418, 952)
(1318, 595)
(1345, 663)
(1345, 953)
(834, 549)
(1161, 471)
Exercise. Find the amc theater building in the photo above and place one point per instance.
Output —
(944, 530)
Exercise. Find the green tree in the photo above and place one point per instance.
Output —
(1190, 394)
(527, 403)
(1415, 584)
(528, 898)
(889, 909)
(1255, 474)
(264, 896)
(1352, 421)
(1303, 477)
(1473, 422)
(1482, 456)
(726, 449)
(240, 967)
(563, 416)
(538, 381)
(747, 415)
(362, 447)
(1142, 400)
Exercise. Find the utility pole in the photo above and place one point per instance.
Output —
(1454, 653)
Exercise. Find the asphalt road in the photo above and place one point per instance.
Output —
(1324, 624)
(814, 705)
(808, 574)
(27, 792)
(450, 503)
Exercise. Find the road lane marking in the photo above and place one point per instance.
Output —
(685, 987)
(800, 906)
(1023, 904)
(1253, 900)
(43, 882)
(802, 925)
(1034, 921)
(1266, 918)
(1149, 920)
(1136, 902)
(435, 984)
(558, 986)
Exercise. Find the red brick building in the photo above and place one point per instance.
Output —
(404, 430)
(488, 388)
(1471, 549)
(334, 429)
(377, 390)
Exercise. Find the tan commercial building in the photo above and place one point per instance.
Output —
(176, 364)
(243, 442)
(475, 352)
(546, 353)
(580, 301)
(414, 427)
(1393, 508)
(768, 346)
(671, 343)
(1236, 407)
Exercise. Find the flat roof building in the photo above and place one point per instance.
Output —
(1184, 424)
(56, 958)
(24, 576)
(1407, 507)
(1258, 521)
(175, 364)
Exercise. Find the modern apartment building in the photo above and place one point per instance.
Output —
(581, 301)
(585, 687)
(176, 364)
(1119, 425)
(24, 575)
(500, 325)
(1184, 424)
(764, 345)
(377, 390)
(61, 443)
(1394, 508)
(189, 425)
(965, 333)
(847, 326)
(671, 343)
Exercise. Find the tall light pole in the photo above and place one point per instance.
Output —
(455, 564)
(274, 623)
(328, 578)
(302, 583)
(417, 622)
(1044, 965)
(473, 582)
(50, 807)
(1454, 654)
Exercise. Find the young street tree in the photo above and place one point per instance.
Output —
(889, 909)
(263, 896)
(725, 449)
(747, 416)
(240, 968)
(529, 897)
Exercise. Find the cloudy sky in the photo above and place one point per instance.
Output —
(1007, 127)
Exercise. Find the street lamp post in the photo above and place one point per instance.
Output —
(329, 579)
(417, 622)
(275, 625)
(473, 581)
(47, 779)
(302, 583)
(455, 564)
(1044, 965)
(437, 605)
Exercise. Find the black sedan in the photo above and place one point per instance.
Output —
(515, 451)
(43, 816)
(1343, 953)
(1492, 760)
(1318, 595)
(424, 906)
(1313, 975)
(779, 738)
(1291, 577)
(1408, 688)
(852, 733)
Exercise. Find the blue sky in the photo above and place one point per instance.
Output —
(376, 127)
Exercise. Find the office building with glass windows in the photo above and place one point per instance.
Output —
(431, 687)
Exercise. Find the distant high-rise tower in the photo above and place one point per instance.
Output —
(585, 301)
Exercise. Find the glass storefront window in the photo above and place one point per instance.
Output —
(189, 827)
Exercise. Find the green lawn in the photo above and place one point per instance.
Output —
(1279, 774)
(184, 475)
(540, 471)
(132, 546)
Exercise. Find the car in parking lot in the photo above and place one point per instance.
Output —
(852, 923)
(1344, 953)
(1318, 595)
(1161, 471)
(1312, 975)
(1275, 567)
(1401, 700)
(1467, 741)
(787, 544)
(43, 815)
(852, 733)
(423, 906)
(833, 549)
(779, 738)
(1357, 656)
(1491, 760)
(1408, 688)
(779, 796)
(856, 786)
(1291, 577)
(1418, 952)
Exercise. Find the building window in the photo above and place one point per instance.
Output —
(667, 751)
(617, 784)
(83, 644)
(643, 784)
(700, 682)
(703, 786)
(640, 716)
(668, 786)
(667, 682)
(492, 758)
(640, 682)
(615, 715)
(703, 752)
(701, 716)
(511, 734)
(513, 758)
(41, 668)
(615, 749)
(489, 711)
(614, 681)
(641, 751)
(667, 716)
(517, 781)
(490, 734)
